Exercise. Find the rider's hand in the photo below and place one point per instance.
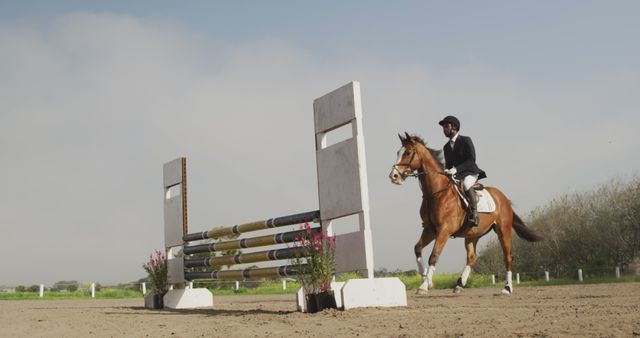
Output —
(450, 172)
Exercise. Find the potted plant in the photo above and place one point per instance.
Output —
(316, 268)
(156, 267)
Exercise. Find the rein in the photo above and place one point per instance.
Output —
(441, 190)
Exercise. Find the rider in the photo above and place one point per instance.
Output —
(460, 159)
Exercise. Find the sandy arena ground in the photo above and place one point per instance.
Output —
(600, 310)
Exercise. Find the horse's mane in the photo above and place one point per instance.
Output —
(438, 155)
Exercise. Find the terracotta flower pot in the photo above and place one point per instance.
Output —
(317, 302)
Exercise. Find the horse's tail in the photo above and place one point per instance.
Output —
(524, 232)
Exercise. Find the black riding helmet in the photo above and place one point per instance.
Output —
(450, 119)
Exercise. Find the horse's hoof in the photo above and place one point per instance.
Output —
(457, 289)
(422, 291)
(507, 290)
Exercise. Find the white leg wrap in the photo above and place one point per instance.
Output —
(427, 281)
(508, 287)
(430, 272)
(465, 275)
(420, 266)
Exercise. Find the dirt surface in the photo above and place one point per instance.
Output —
(597, 310)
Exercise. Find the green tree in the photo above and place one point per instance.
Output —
(592, 230)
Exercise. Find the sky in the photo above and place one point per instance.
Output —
(95, 96)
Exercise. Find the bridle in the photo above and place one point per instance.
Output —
(403, 174)
(416, 173)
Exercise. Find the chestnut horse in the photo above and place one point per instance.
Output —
(443, 214)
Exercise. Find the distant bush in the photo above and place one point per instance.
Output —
(588, 230)
(70, 286)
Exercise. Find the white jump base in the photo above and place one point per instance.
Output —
(365, 292)
(188, 298)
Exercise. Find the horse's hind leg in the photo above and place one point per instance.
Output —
(427, 237)
(504, 224)
(505, 242)
(470, 245)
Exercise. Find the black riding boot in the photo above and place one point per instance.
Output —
(473, 203)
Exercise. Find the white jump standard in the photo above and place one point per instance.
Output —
(342, 192)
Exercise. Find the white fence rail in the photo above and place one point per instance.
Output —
(580, 275)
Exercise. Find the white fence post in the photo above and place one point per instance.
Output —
(493, 279)
(546, 276)
(237, 285)
(93, 290)
(517, 278)
(284, 284)
(580, 275)
(41, 290)
(617, 272)
(190, 285)
(144, 288)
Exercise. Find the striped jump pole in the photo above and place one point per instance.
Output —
(262, 256)
(277, 271)
(281, 238)
(310, 216)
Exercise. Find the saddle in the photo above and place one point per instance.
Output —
(460, 191)
(465, 204)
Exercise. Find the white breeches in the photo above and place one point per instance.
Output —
(469, 181)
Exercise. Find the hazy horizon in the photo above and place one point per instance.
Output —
(95, 97)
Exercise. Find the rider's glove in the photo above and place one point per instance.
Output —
(450, 172)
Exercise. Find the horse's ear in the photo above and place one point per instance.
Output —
(401, 138)
(408, 137)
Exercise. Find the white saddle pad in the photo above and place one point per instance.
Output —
(485, 201)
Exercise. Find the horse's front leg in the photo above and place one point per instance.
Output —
(441, 240)
(470, 245)
(428, 234)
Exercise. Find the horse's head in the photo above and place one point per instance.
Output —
(407, 163)
(414, 157)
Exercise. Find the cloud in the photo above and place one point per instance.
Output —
(92, 104)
